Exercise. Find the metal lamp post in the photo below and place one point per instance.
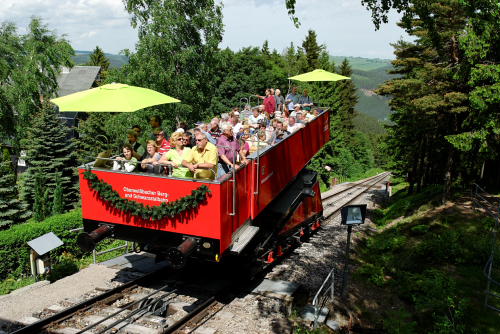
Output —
(351, 215)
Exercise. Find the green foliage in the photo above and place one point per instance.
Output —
(50, 154)
(14, 249)
(10, 284)
(39, 205)
(399, 322)
(465, 35)
(98, 58)
(29, 65)
(176, 53)
(66, 265)
(12, 210)
(312, 50)
(146, 212)
(115, 60)
(58, 201)
(432, 261)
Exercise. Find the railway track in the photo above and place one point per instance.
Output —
(156, 304)
(334, 200)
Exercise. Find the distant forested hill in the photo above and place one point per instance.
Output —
(368, 74)
(81, 57)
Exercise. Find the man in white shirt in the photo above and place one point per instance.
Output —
(293, 125)
(254, 119)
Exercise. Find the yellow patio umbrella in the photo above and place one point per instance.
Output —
(319, 75)
(113, 97)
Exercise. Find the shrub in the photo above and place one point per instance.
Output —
(66, 265)
(14, 250)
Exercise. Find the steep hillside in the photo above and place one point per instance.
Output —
(367, 75)
(81, 57)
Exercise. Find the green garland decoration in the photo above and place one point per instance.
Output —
(165, 209)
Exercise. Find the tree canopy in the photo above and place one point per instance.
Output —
(29, 66)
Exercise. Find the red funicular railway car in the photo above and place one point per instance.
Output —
(252, 211)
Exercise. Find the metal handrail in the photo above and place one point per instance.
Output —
(488, 267)
(96, 253)
(233, 180)
(331, 288)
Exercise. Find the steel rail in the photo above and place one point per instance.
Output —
(123, 309)
(184, 320)
(375, 180)
(38, 326)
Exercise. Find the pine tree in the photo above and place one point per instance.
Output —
(429, 101)
(58, 198)
(12, 210)
(50, 153)
(312, 50)
(93, 137)
(38, 201)
(265, 48)
(346, 98)
(98, 58)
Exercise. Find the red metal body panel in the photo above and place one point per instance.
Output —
(203, 222)
(310, 207)
(279, 165)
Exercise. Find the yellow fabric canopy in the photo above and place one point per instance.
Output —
(319, 75)
(113, 97)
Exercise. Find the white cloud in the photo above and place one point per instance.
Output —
(86, 23)
(343, 25)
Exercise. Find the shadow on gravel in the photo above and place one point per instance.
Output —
(9, 326)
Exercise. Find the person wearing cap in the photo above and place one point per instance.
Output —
(202, 159)
(162, 142)
(305, 100)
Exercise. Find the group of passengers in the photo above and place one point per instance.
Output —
(213, 149)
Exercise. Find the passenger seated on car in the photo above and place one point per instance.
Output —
(136, 146)
(279, 133)
(174, 157)
(202, 159)
(229, 148)
(293, 125)
(259, 142)
(254, 119)
(127, 162)
(151, 158)
(161, 141)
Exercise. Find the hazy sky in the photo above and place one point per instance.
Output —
(343, 25)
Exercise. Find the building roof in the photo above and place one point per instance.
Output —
(77, 79)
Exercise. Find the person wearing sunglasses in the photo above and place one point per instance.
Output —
(175, 156)
(202, 159)
(162, 142)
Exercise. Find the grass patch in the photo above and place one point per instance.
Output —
(10, 284)
(431, 262)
